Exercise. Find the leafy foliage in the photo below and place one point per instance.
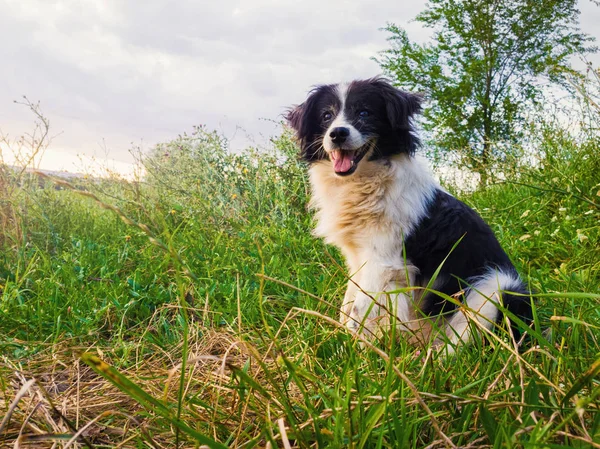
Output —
(485, 69)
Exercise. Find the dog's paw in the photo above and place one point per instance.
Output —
(360, 312)
(443, 348)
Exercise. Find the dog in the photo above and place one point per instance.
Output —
(417, 256)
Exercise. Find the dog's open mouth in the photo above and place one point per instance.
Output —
(346, 161)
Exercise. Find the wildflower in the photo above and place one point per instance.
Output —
(127, 238)
(562, 210)
(581, 236)
(172, 211)
(536, 232)
(554, 219)
(563, 267)
(234, 196)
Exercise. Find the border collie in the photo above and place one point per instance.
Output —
(394, 225)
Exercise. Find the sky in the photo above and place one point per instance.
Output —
(113, 75)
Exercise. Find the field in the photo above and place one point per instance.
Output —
(193, 308)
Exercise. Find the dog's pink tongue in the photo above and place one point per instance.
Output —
(342, 160)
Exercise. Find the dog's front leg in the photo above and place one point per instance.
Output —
(349, 298)
(378, 300)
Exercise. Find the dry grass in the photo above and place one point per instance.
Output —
(241, 395)
(54, 394)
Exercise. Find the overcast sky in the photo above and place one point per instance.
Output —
(111, 73)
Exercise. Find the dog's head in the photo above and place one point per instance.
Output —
(348, 123)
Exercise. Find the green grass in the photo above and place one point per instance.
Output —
(195, 307)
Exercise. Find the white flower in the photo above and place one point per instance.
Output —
(581, 236)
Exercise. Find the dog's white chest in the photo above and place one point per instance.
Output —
(369, 216)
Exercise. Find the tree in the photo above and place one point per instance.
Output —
(487, 65)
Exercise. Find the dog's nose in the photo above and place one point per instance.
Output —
(339, 134)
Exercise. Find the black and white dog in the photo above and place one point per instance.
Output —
(394, 225)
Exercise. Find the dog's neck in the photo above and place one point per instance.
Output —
(383, 198)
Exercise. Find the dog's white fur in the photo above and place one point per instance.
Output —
(481, 301)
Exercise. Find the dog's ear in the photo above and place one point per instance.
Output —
(294, 117)
(299, 118)
(401, 106)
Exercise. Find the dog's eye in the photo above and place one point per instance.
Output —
(363, 114)
(327, 116)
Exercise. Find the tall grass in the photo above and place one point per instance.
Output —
(194, 307)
